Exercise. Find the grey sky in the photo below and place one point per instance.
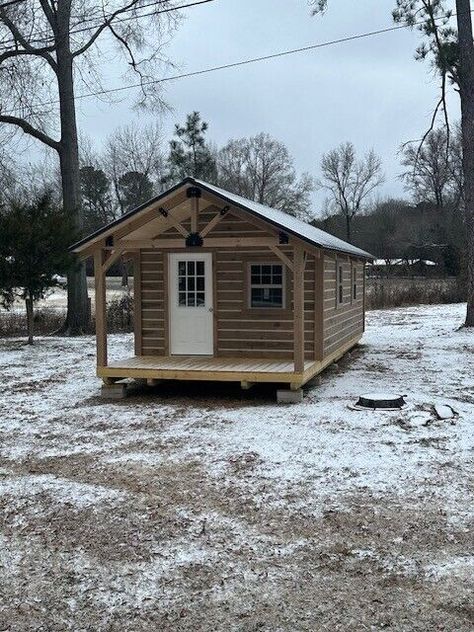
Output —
(370, 91)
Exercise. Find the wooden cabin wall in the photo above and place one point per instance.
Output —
(239, 331)
(344, 321)
(243, 331)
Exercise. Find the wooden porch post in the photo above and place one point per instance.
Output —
(100, 308)
(137, 301)
(298, 309)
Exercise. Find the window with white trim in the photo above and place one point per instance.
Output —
(266, 285)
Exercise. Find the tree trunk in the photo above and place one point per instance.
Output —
(29, 318)
(348, 228)
(78, 315)
(466, 76)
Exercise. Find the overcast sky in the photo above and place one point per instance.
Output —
(370, 91)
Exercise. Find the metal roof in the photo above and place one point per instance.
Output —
(279, 219)
(282, 220)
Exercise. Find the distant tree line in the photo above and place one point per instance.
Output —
(430, 225)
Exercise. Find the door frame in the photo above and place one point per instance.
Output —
(168, 271)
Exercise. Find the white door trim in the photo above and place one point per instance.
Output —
(190, 312)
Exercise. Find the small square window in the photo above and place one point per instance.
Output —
(266, 286)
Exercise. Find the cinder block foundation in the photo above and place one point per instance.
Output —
(290, 397)
(122, 388)
(114, 391)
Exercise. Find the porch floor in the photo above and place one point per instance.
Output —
(209, 368)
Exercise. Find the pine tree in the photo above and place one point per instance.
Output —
(189, 153)
(34, 241)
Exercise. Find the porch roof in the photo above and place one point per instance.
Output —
(277, 218)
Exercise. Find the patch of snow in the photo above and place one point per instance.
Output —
(80, 495)
(461, 567)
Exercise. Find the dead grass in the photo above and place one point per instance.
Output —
(358, 565)
(121, 516)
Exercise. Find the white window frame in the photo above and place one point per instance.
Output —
(267, 286)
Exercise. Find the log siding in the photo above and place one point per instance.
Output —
(342, 321)
(240, 330)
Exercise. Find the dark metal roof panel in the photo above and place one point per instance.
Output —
(289, 223)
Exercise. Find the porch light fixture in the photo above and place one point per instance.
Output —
(194, 240)
(283, 239)
(225, 210)
(163, 211)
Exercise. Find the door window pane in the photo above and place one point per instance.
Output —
(191, 284)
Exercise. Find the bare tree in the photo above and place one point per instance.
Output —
(349, 180)
(134, 148)
(260, 168)
(433, 170)
(452, 55)
(133, 161)
(51, 45)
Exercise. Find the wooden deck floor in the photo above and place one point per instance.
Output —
(209, 368)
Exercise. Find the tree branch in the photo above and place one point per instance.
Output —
(18, 37)
(107, 22)
(30, 130)
(50, 14)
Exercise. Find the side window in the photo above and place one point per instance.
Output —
(266, 285)
(354, 282)
(340, 285)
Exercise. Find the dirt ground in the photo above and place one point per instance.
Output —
(197, 507)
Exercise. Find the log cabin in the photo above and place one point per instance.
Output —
(227, 289)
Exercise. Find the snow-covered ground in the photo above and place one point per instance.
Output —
(198, 507)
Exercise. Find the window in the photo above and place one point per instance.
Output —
(266, 285)
(340, 285)
(191, 284)
(354, 282)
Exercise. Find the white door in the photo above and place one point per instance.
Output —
(191, 304)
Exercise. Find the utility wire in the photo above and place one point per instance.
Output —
(237, 64)
(100, 21)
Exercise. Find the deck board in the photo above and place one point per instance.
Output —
(200, 363)
(207, 368)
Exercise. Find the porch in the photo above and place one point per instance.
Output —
(247, 371)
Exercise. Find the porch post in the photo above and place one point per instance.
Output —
(100, 308)
(298, 309)
(137, 301)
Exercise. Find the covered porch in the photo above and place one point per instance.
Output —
(247, 371)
